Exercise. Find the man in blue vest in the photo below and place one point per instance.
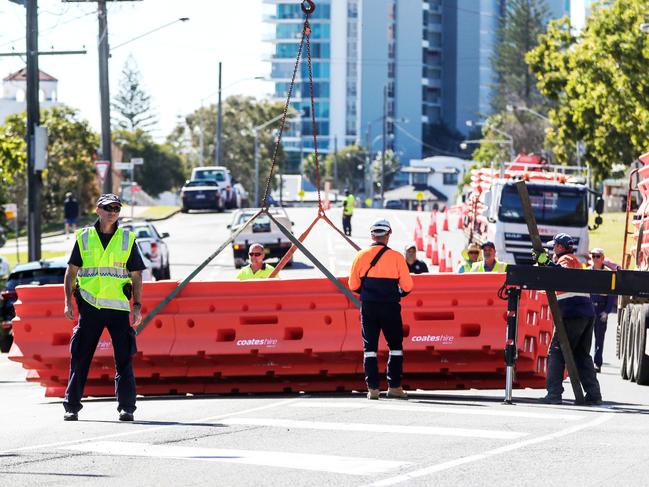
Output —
(104, 270)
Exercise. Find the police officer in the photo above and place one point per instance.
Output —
(473, 254)
(381, 276)
(578, 315)
(489, 263)
(348, 211)
(415, 266)
(104, 269)
(257, 269)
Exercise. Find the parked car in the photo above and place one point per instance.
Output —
(201, 194)
(147, 274)
(393, 205)
(49, 271)
(264, 231)
(152, 246)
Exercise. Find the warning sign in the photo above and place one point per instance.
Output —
(102, 169)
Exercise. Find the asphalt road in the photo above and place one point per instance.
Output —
(436, 438)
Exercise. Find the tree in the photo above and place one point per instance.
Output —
(162, 169)
(391, 169)
(240, 115)
(351, 167)
(524, 21)
(309, 169)
(70, 161)
(599, 83)
(132, 105)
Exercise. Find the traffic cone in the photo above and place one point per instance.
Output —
(460, 221)
(419, 239)
(442, 261)
(432, 227)
(445, 225)
(429, 247)
(434, 258)
(417, 227)
(449, 262)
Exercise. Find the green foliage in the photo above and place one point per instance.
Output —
(162, 169)
(70, 163)
(131, 107)
(309, 168)
(600, 85)
(524, 21)
(349, 159)
(240, 115)
(391, 169)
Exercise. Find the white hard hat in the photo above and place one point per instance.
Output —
(380, 227)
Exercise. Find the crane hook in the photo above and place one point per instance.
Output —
(308, 10)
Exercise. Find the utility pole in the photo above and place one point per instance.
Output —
(34, 182)
(385, 130)
(369, 183)
(104, 93)
(218, 153)
(336, 163)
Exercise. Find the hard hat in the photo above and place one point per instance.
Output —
(562, 239)
(473, 247)
(409, 246)
(380, 228)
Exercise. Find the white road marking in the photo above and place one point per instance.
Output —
(489, 453)
(375, 428)
(300, 461)
(149, 430)
(506, 411)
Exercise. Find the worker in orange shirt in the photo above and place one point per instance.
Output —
(381, 276)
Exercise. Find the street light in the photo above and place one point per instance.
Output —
(181, 19)
(514, 108)
(509, 141)
(465, 143)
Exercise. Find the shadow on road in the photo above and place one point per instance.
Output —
(154, 423)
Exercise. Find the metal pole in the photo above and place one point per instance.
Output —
(132, 193)
(202, 138)
(219, 121)
(104, 93)
(256, 168)
(17, 236)
(33, 120)
(511, 349)
(336, 162)
(385, 130)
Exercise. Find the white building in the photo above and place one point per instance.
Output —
(14, 88)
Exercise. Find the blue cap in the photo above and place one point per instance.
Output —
(562, 239)
(488, 243)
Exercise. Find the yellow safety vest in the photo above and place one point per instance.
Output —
(348, 208)
(498, 267)
(246, 273)
(466, 267)
(104, 273)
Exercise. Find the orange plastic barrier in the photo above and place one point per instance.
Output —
(292, 335)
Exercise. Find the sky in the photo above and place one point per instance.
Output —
(178, 64)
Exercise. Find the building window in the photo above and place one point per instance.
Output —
(450, 178)
(420, 179)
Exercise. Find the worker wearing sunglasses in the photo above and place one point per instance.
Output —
(257, 269)
(603, 304)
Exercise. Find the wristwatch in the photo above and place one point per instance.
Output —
(136, 304)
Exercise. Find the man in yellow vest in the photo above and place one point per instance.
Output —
(489, 262)
(104, 270)
(257, 269)
(348, 211)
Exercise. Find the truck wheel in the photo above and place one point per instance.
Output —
(184, 210)
(5, 343)
(630, 344)
(642, 362)
(623, 339)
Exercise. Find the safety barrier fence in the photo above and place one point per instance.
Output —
(292, 335)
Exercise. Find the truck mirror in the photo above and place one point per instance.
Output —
(599, 205)
(165, 234)
(487, 198)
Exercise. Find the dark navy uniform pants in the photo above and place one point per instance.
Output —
(82, 348)
(580, 335)
(347, 224)
(600, 333)
(386, 318)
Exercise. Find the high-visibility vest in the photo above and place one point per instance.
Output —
(246, 273)
(465, 267)
(498, 267)
(103, 273)
(348, 207)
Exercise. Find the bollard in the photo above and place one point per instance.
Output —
(511, 351)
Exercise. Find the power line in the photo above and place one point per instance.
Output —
(424, 144)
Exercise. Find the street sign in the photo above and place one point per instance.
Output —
(102, 169)
(123, 166)
(420, 196)
(301, 193)
(11, 210)
(138, 161)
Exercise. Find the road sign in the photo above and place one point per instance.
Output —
(102, 169)
(301, 193)
(123, 166)
(10, 209)
(420, 196)
(138, 161)
(135, 188)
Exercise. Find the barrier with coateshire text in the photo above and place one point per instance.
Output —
(292, 335)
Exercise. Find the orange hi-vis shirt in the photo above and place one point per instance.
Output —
(387, 281)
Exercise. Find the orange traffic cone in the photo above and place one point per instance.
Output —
(442, 261)
(445, 225)
(449, 262)
(434, 258)
(419, 239)
(460, 221)
(429, 247)
(432, 227)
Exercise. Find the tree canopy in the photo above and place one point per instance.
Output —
(131, 106)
